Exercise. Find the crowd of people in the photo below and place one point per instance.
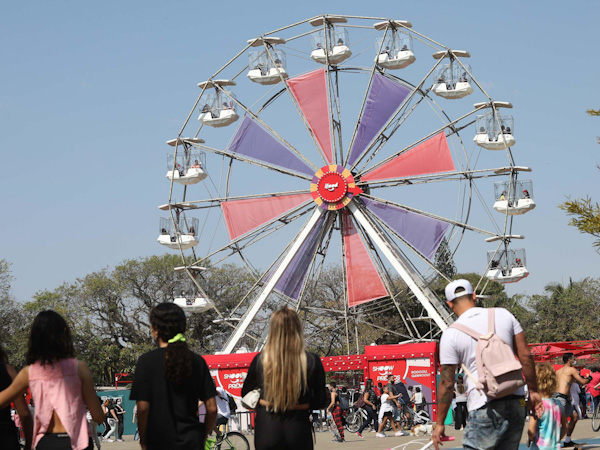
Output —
(172, 387)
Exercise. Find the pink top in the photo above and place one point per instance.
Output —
(57, 387)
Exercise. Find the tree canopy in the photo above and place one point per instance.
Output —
(585, 213)
(108, 310)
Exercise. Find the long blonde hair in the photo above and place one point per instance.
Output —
(284, 361)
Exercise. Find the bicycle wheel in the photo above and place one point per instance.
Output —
(354, 421)
(596, 418)
(233, 441)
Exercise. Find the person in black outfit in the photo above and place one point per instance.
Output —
(167, 385)
(370, 407)
(9, 437)
(291, 382)
(121, 418)
(404, 399)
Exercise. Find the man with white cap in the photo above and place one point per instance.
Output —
(493, 423)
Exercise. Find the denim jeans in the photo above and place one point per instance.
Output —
(497, 425)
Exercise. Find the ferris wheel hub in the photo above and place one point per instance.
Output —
(333, 187)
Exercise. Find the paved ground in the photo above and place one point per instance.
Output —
(583, 433)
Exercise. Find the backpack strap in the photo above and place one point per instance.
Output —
(460, 327)
(491, 321)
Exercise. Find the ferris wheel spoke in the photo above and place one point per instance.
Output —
(255, 142)
(309, 92)
(459, 175)
(430, 156)
(424, 233)
(399, 208)
(362, 278)
(421, 142)
(267, 165)
(258, 234)
(280, 141)
(293, 278)
(436, 310)
(384, 98)
(242, 216)
(275, 279)
(384, 129)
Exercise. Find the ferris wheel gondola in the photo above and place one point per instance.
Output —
(305, 178)
(452, 80)
(396, 48)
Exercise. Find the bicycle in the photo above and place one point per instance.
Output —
(354, 419)
(596, 417)
(409, 417)
(231, 440)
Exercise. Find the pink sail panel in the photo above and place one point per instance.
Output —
(310, 91)
(242, 216)
(430, 156)
(362, 278)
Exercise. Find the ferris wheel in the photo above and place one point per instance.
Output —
(339, 140)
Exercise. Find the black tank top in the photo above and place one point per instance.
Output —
(6, 422)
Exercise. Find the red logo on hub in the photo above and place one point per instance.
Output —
(332, 187)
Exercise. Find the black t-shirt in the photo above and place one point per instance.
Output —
(316, 396)
(173, 419)
(401, 389)
(6, 423)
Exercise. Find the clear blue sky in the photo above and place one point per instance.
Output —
(92, 90)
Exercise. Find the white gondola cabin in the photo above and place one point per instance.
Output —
(189, 167)
(192, 303)
(513, 197)
(395, 51)
(507, 266)
(495, 131)
(267, 67)
(337, 43)
(451, 80)
(184, 234)
(218, 109)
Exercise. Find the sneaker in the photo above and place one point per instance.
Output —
(120, 440)
(338, 441)
(571, 444)
(360, 435)
(400, 433)
(380, 435)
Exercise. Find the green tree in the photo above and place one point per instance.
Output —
(566, 312)
(585, 214)
(444, 261)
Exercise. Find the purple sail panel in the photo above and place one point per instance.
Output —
(253, 141)
(384, 98)
(422, 232)
(294, 275)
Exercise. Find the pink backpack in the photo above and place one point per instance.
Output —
(500, 373)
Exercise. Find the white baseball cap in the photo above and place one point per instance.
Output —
(453, 286)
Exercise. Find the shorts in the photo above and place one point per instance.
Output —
(222, 420)
(388, 414)
(565, 402)
(58, 441)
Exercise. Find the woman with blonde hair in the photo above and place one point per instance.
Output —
(291, 382)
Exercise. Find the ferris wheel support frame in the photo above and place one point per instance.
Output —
(249, 316)
(424, 295)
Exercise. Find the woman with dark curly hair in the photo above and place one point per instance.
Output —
(167, 384)
(61, 387)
